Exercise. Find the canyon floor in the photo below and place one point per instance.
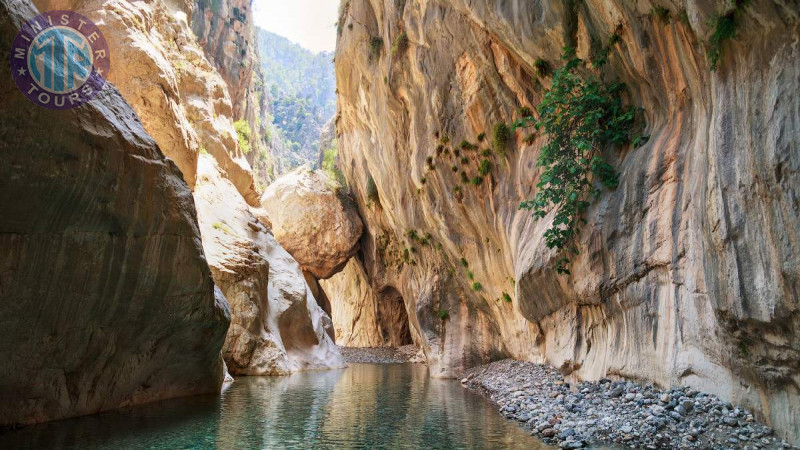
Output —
(578, 415)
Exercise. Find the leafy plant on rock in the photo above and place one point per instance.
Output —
(723, 29)
(400, 45)
(579, 117)
(501, 135)
(375, 47)
(243, 132)
(372, 191)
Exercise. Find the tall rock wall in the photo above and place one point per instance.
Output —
(184, 101)
(226, 32)
(107, 299)
(688, 271)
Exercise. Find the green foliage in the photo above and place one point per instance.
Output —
(662, 13)
(445, 140)
(542, 67)
(429, 162)
(400, 45)
(412, 235)
(372, 191)
(464, 177)
(524, 112)
(444, 315)
(477, 287)
(465, 160)
(486, 153)
(530, 138)
(465, 145)
(375, 47)
(423, 180)
(579, 117)
(506, 297)
(438, 246)
(484, 167)
(301, 88)
(406, 256)
(244, 132)
(501, 136)
(470, 275)
(330, 157)
(481, 137)
(454, 169)
(464, 262)
(723, 29)
(684, 16)
(477, 180)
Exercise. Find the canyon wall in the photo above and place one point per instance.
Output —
(200, 103)
(689, 271)
(107, 300)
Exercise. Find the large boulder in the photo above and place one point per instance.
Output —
(276, 327)
(313, 220)
(106, 299)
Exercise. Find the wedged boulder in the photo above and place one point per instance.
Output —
(276, 327)
(313, 221)
(106, 299)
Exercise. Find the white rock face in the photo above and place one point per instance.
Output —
(312, 221)
(688, 272)
(276, 326)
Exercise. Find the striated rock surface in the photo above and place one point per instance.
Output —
(689, 271)
(316, 223)
(107, 299)
(161, 71)
(277, 326)
(226, 32)
(363, 317)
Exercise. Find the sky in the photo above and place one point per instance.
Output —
(310, 23)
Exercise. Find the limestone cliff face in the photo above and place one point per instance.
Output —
(276, 327)
(161, 71)
(689, 271)
(226, 32)
(183, 101)
(107, 299)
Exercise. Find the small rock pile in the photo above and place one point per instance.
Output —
(379, 355)
(616, 412)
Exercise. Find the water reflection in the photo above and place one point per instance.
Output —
(364, 406)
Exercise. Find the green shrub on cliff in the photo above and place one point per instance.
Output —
(244, 132)
(375, 48)
(372, 191)
(501, 135)
(400, 45)
(723, 29)
(579, 117)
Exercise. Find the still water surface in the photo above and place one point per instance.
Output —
(390, 406)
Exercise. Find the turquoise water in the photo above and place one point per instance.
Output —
(364, 406)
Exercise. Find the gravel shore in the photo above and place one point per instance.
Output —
(379, 355)
(621, 413)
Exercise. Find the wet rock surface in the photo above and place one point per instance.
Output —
(627, 413)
